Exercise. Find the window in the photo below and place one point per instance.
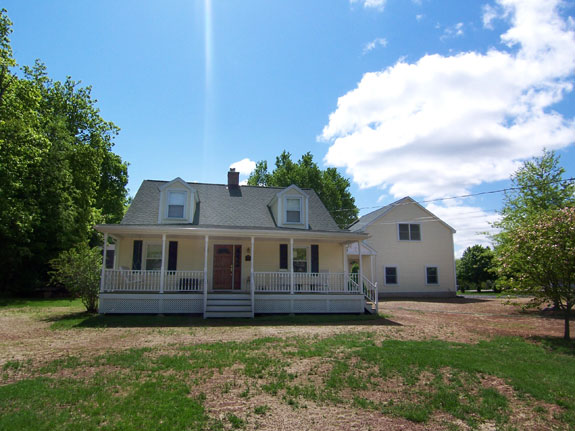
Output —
(432, 275)
(390, 275)
(176, 203)
(154, 257)
(110, 259)
(293, 210)
(409, 232)
(300, 259)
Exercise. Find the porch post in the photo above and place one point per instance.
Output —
(291, 265)
(345, 267)
(360, 266)
(205, 273)
(103, 275)
(372, 269)
(252, 281)
(163, 272)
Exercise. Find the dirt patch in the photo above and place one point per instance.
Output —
(27, 336)
(27, 343)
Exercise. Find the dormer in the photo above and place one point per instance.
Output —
(178, 202)
(290, 208)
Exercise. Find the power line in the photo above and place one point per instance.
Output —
(572, 179)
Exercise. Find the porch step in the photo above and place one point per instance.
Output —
(370, 307)
(227, 314)
(222, 305)
(231, 307)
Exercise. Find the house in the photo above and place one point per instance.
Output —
(225, 250)
(409, 251)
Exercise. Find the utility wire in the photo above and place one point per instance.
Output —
(572, 179)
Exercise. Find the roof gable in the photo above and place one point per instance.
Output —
(368, 219)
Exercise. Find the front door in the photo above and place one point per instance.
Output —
(227, 267)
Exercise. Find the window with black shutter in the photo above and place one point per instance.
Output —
(173, 256)
(283, 256)
(137, 255)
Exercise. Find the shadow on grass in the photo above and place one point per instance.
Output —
(10, 302)
(88, 320)
(449, 300)
(557, 345)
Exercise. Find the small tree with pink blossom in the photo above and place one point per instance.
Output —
(540, 253)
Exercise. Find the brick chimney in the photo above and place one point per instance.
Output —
(233, 179)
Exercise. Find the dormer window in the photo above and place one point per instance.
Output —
(176, 204)
(293, 210)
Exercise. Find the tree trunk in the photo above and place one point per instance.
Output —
(566, 334)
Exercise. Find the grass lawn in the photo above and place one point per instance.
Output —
(179, 387)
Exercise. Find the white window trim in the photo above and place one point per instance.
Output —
(396, 275)
(426, 281)
(145, 255)
(307, 256)
(285, 210)
(183, 192)
(410, 240)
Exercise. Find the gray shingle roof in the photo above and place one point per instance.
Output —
(220, 207)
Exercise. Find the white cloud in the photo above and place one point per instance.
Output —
(453, 31)
(419, 17)
(473, 224)
(244, 166)
(489, 14)
(374, 4)
(380, 41)
(441, 125)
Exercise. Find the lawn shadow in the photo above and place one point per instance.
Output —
(556, 344)
(446, 300)
(88, 320)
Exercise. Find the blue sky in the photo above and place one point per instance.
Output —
(425, 98)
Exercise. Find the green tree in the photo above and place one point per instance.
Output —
(58, 174)
(331, 187)
(78, 270)
(541, 256)
(476, 268)
(537, 186)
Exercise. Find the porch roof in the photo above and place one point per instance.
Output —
(120, 230)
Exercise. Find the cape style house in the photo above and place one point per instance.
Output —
(409, 252)
(228, 250)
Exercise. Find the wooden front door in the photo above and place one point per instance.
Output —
(227, 267)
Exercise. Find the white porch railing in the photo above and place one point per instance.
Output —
(370, 291)
(184, 281)
(305, 282)
(275, 282)
(123, 280)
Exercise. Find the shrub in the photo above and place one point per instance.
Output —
(78, 270)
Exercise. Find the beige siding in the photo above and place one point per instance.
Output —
(412, 257)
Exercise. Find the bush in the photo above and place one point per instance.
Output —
(78, 270)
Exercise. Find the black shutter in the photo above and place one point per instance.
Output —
(283, 256)
(137, 255)
(173, 256)
(314, 258)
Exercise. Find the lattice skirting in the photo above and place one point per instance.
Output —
(270, 303)
(143, 303)
(151, 303)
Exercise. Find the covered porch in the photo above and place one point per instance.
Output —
(227, 274)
